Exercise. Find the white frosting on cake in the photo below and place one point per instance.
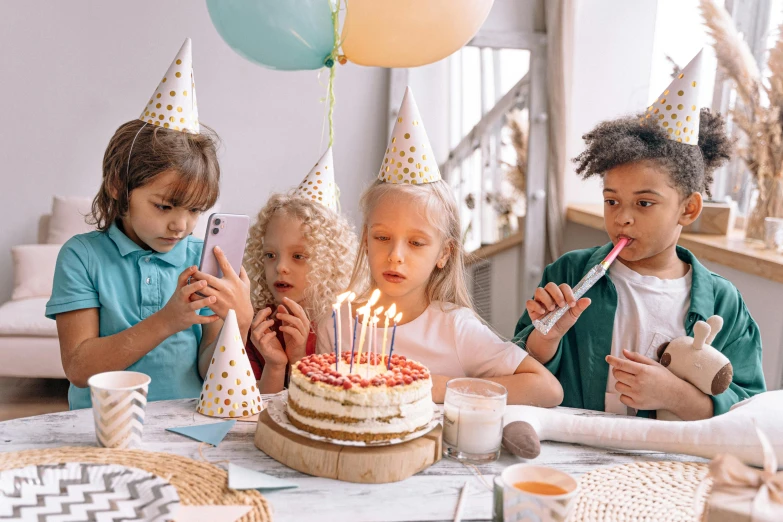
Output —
(414, 416)
(367, 410)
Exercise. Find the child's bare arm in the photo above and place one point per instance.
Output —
(531, 384)
(85, 354)
(206, 348)
(265, 341)
(272, 379)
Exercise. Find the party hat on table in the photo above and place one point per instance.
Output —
(676, 110)
(230, 387)
(409, 158)
(173, 104)
(319, 185)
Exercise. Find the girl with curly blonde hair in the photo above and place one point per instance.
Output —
(298, 259)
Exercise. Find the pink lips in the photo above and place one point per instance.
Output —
(393, 277)
(282, 286)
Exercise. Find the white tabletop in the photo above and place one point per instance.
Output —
(429, 495)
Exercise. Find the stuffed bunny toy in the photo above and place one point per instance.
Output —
(694, 360)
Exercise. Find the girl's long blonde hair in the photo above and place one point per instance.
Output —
(447, 284)
(331, 244)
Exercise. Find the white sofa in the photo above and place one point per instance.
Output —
(28, 340)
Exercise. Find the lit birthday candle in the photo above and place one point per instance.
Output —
(375, 320)
(353, 338)
(335, 314)
(351, 328)
(366, 316)
(397, 319)
(389, 315)
(372, 343)
(339, 326)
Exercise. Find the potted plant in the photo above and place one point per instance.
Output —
(757, 112)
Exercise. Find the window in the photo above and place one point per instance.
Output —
(485, 85)
(680, 28)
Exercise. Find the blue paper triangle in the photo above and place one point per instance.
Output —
(209, 433)
(242, 478)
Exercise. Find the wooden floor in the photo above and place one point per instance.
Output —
(26, 397)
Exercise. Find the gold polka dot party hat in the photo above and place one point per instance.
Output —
(409, 158)
(319, 185)
(173, 104)
(676, 110)
(230, 387)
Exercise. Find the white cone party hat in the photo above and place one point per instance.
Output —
(319, 185)
(409, 158)
(676, 110)
(230, 387)
(173, 104)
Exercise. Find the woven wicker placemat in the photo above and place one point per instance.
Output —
(198, 483)
(642, 491)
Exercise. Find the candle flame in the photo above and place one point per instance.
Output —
(351, 297)
(375, 320)
(377, 311)
(397, 318)
(376, 294)
(390, 313)
(342, 297)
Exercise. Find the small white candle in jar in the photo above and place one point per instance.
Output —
(473, 416)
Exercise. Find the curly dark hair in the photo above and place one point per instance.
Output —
(629, 139)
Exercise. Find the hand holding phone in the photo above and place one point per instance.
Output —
(221, 268)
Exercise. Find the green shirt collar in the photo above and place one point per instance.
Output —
(702, 292)
(174, 257)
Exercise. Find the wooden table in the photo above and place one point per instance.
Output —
(430, 495)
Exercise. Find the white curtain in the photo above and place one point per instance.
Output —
(560, 15)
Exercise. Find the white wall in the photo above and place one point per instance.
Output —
(613, 48)
(72, 72)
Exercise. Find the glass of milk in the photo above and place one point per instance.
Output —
(473, 420)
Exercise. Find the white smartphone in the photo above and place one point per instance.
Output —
(229, 232)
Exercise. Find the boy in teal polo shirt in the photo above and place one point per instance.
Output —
(122, 295)
(605, 350)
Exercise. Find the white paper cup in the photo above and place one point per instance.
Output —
(520, 505)
(119, 400)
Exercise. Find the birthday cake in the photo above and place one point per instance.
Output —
(363, 403)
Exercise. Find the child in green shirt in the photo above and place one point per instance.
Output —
(604, 350)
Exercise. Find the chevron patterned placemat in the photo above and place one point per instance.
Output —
(79, 491)
(197, 483)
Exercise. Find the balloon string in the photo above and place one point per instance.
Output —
(333, 68)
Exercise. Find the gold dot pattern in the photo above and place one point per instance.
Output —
(319, 184)
(677, 105)
(178, 86)
(409, 163)
(226, 390)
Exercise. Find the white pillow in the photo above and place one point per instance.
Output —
(33, 270)
(68, 218)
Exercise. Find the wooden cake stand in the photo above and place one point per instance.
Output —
(366, 465)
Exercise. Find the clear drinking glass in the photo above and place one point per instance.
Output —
(773, 233)
(473, 420)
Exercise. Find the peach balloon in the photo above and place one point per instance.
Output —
(409, 33)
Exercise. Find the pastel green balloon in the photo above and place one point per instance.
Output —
(287, 35)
